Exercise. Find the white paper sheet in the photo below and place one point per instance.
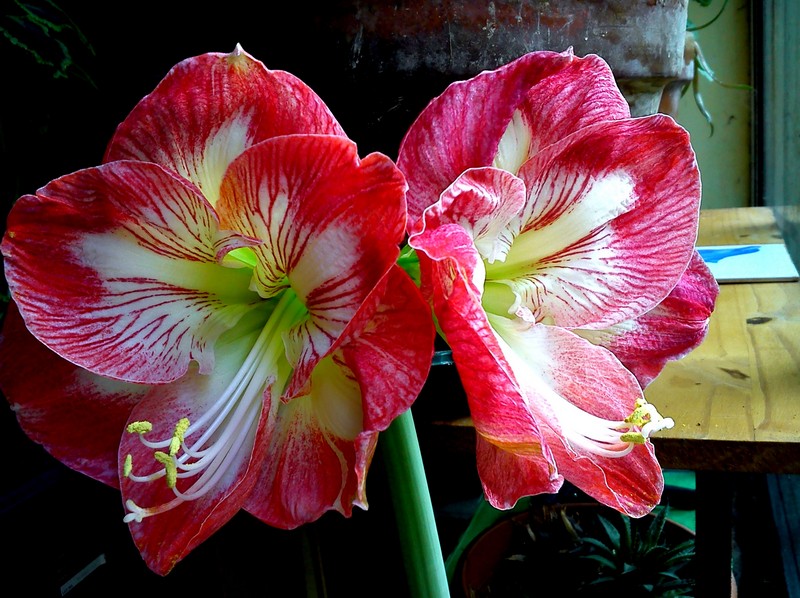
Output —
(749, 263)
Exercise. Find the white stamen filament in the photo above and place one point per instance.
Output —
(605, 437)
(235, 417)
(212, 474)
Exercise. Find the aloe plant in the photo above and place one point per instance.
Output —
(634, 559)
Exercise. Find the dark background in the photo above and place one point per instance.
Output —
(52, 125)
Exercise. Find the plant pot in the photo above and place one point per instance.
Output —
(554, 570)
(396, 56)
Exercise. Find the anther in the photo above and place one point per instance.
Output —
(142, 427)
(171, 469)
(177, 436)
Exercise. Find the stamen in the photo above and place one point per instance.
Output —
(136, 512)
(610, 438)
(633, 437)
(207, 448)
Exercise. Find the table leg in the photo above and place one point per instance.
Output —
(714, 533)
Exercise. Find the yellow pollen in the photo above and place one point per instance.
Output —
(177, 436)
(640, 415)
(170, 467)
(127, 467)
(142, 427)
(634, 437)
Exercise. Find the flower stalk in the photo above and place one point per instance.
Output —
(416, 525)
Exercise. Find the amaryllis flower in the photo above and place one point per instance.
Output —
(226, 327)
(543, 216)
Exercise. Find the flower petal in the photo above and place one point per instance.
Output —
(171, 528)
(319, 459)
(116, 269)
(492, 391)
(74, 414)
(330, 225)
(310, 470)
(669, 331)
(485, 202)
(506, 476)
(576, 406)
(593, 249)
(581, 94)
(462, 128)
(209, 109)
(389, 346)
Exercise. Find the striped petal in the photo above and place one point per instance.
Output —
(609, 226)
(582, 413)
(508, 476)
(669, 331)
(116, 268)
(462, 128)
(583, 93)
(325, 440)
(329, 226)
(317, 455)
(209, 109)
(74, 414)
(450, 267)
(388, 345)
(486, 203)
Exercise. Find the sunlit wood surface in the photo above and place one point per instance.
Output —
(736, 399)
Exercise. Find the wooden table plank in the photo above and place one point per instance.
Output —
(742, 385)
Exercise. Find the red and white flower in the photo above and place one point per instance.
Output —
(222, 293)
(543, 216)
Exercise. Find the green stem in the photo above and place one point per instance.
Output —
(416, 525)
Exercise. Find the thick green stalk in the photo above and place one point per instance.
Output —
(416, 525)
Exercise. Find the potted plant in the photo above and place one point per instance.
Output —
(580, 549)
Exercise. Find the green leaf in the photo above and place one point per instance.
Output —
(611, 531)
(49, 36)
(698, 100)
(603, 561)
(600, 545)
(652, 536)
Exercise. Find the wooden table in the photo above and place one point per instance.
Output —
(736, 398)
